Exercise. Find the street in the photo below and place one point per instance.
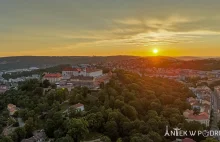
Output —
(215, 119)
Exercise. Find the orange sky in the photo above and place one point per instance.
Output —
(97, 27)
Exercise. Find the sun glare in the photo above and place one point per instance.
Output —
(155, 51)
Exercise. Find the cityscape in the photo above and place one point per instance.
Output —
(109, 71)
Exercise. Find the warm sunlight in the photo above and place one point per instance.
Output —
(155, 51)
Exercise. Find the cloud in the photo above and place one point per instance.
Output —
(153, 31)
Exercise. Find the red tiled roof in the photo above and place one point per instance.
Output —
(11, 105)
(88, 70)
(71, 69)
(78, 105)
(201, 116)
(12, 108)
(54, 75)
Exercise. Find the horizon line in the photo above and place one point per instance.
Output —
(106, 56)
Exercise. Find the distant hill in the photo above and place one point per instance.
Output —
(186, 62)
(188, 58)
(8, 63)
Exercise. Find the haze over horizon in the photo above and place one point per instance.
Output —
(104, 27)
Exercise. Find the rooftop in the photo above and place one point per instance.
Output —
(77, 105)
(89, 70)
(80, 77)
(201, 116)
(12, 109)
(38, 136)
(71, 69)
(52, 75)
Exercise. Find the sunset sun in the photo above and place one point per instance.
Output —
(155, 51)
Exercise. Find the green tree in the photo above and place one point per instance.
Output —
(29, 126)
(21, 133)
(65, 139)
(105, 139)
(154, 136)
(218, 124)
(6, 139)
(111, 130)
(140, 138)
(209, 140)
(129, 111)
(46, 83)
(119, 140)
(77, 129)
(95, 121)
(49, 128)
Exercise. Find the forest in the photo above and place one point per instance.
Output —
(129, 108)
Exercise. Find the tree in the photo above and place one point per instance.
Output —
(128, 96)
(193, 126)
(46, 83)
(95, 121)
(21, 133)
(119, 140)
(72, 99)
(153, 124)
(14, 137)
(72, 112)
(155, 106)
(6, 139)
(154, 136)
(50, 98)
(111, 130)
(126, 128)
(129, 111)
(58, 119)
(39, 91)
(65, 139)
(49, 128)
(105, 139)
(209, 140)
(29, 126)
(152, 114)
(218, 124)
(196, 111)
(140, 138)
(59, 133)
(131, 107)
(85, 91)
(77, 129)
(119, 104)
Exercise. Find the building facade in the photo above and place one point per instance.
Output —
(53, 78)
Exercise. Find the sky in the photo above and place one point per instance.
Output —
(109, 27)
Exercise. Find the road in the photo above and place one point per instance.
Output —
(20, 121)
(214, 124)
(215, 111)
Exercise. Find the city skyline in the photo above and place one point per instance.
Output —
(104, 27)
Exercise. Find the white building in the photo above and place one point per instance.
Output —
(53, 78)
(203, 117)
(3, 88)
(79, 107)
(93, 72)
(68, 72)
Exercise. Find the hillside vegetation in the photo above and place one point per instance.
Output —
(129, 108)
